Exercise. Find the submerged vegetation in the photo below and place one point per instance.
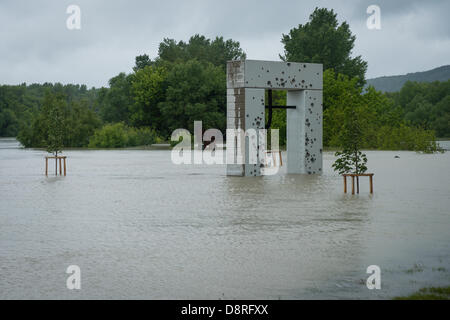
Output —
(186, 82)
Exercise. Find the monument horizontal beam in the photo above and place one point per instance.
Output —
(277, 75)
(281, 107)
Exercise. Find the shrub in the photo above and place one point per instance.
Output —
(405, 137)
(119, 135)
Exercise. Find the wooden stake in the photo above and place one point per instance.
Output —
(64, 166)
(371, 184)
(345, 184)
(46, 166)
(357, 184)
(60, 167)
(353, 184)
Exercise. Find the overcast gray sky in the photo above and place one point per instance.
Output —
(36, 46)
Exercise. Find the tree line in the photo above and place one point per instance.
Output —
(186, 82)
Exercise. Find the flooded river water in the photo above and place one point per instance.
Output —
(141, 227)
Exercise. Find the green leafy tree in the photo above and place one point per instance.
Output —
(195, 91)
(141, 62)
(419, 112)
(116, 101)
(339, 92)
(323, 40)
(426, 105)
(53, 118)
(441, 117)
(148, 89)
(217, 51)
(81, 122)
(76, 120)
(9, 124)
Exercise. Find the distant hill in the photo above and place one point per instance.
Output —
(395, 83)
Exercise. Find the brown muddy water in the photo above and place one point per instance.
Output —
(141, 227)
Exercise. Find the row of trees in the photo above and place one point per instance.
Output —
(382, 119)
(21, 105)
(426, 105)
(59, 121)
(186, 82)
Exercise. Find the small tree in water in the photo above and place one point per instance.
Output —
(53, 111)
(350, 158)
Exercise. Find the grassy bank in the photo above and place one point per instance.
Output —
(431, 293)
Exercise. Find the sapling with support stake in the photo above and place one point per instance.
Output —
(54, 120)
(350, 159)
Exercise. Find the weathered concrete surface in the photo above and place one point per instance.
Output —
(304, 132)
(274, 75)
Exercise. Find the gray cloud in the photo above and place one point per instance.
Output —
(36, 46)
